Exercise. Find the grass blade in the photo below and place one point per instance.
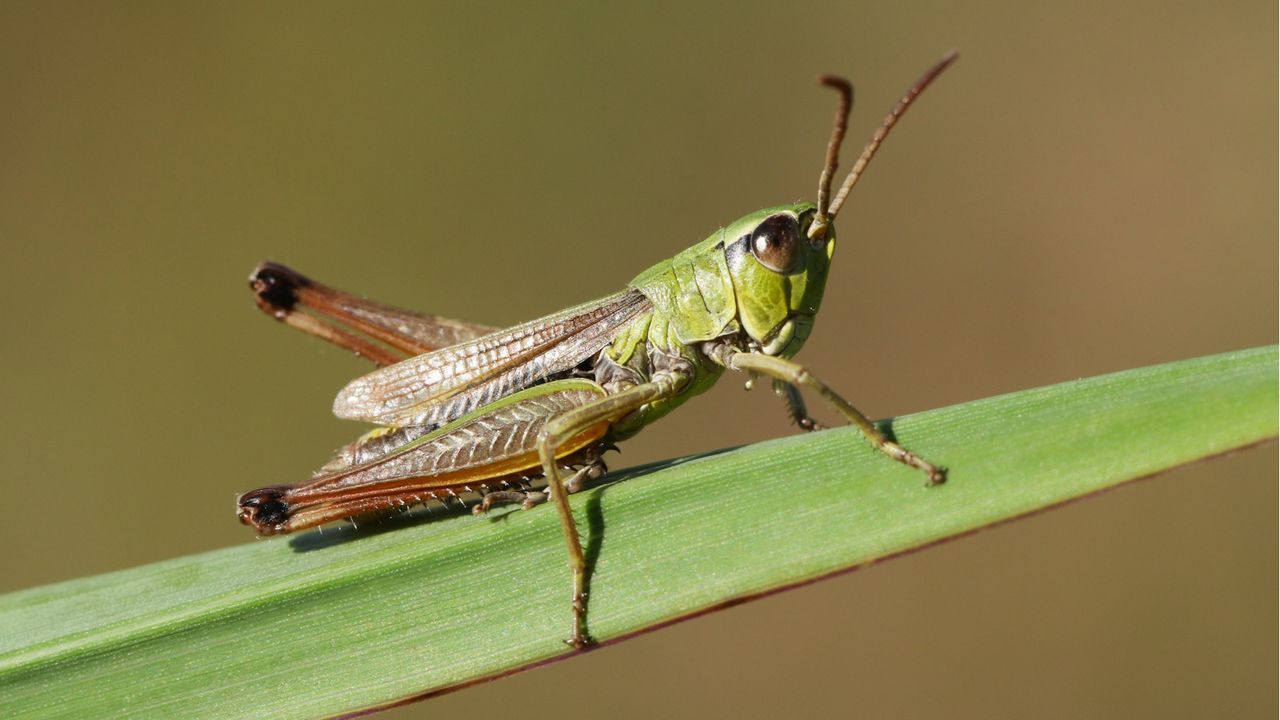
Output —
(326, 624)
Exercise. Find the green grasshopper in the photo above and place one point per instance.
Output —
(466, 408)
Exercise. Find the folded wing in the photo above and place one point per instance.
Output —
(440, 386)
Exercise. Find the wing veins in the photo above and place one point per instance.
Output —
(440, 386)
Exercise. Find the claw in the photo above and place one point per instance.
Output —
(937, 476)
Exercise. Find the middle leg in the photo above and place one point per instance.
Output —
(559, 430)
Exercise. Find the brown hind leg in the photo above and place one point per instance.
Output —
(336, 316)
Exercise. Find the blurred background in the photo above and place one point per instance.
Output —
(1092, 188)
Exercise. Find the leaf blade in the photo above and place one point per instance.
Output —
(306, 630)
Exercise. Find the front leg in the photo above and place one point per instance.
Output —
(562, 428)
(797, 376)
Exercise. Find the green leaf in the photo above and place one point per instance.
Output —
(323, 624)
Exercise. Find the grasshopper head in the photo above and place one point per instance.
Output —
(779, 257)
(779, 273)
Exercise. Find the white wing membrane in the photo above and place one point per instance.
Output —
(443, 385)
(508, 432)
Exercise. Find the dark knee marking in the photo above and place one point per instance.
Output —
(276, 287)
(266, 509)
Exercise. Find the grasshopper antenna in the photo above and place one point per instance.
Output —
(827, 212)
(842, 86)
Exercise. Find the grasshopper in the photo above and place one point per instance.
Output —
(467, 408)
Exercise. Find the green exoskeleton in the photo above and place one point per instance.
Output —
(466, 408)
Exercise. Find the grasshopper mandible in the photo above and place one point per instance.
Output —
(469, 408)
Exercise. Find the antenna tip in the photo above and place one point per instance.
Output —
(835, 81)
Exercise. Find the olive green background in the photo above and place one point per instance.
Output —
(1092, 188)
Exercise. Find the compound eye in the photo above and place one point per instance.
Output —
(776, 243)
